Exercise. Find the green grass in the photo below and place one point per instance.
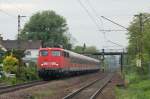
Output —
(137, 88)
(132, 94)
(11, 81)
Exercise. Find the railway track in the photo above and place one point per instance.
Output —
(6, 89)
(91, 90)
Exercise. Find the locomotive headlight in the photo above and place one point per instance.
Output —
(41, 64)
(44, 64)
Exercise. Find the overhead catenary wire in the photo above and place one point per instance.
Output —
(126, 29)
(102, 24)
(95, 12)
(89, 14)
(114, 22)
(97, 16)
(115, 43)
(111, 30)
(8, 14)
(95, 22)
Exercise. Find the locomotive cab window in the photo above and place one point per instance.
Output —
(44, 53)
(56, 53)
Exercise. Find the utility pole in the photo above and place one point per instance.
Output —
(141, 38)
(103, 59)
(19, 26)
(18, 42)
(139, 61)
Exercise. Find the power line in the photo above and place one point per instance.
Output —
(126, 29)
(89, 14)
(103, 31)
(95, 22)
(94, 11)
(10, 15)
(115, 43)
(111, 30)
(97, 16)
(113, 22)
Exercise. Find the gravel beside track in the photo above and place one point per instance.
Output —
(55, 89)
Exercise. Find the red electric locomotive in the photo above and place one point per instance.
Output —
(54, 62)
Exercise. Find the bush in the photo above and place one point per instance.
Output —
(31, 73)
(10, 64)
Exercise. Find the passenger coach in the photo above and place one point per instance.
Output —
(54, 62)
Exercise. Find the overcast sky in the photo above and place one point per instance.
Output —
(82, 27)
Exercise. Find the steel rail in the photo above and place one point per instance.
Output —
(6, 89)
(71, 95)
(79, 90)
(101, 88)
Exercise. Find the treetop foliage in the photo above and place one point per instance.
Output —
(47, 26)
(85, 49)
(135, 34)
(139, 43)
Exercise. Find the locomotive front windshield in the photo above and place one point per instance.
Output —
(44, 53)
(56, 53)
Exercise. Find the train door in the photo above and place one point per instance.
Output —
(66, 61)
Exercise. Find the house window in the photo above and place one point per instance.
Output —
(28, 53)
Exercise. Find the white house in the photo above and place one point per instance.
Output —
(31, 55)
(30, 47)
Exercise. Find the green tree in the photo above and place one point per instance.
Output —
(85, 49)
(139, 43)
(78, 49)
(49, 27)
(91, 49)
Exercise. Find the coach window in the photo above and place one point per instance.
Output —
(66, 54)
(56, 53)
